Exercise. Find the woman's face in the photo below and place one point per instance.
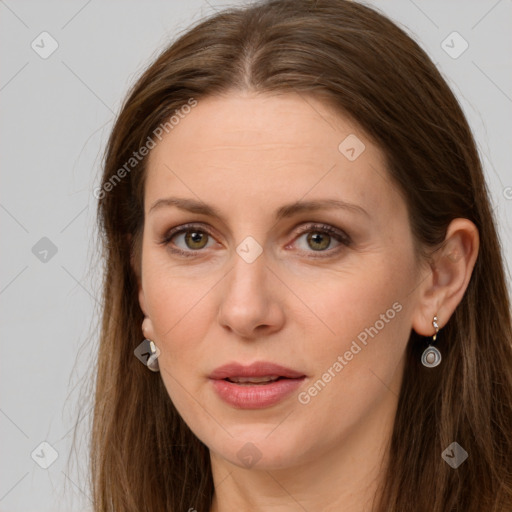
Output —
(291, 246)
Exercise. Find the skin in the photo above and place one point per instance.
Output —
(248, 154)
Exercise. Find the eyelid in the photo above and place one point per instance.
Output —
(183, 228)
(326, 228)
(340, 235)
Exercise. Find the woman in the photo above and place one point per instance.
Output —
(299, 245)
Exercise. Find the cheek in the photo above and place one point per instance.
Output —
(180, 307)
(351, 303)
(363, 334)
(355, 371)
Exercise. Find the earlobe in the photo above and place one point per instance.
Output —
(451, 269)
(147, 328)
(147, 324)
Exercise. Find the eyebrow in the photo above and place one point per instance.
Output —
(288, 210)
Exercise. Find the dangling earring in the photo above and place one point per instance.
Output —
(431, 356)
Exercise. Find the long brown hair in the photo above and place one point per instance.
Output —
(143, 455)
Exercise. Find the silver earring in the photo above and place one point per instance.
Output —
(431, 356)
(152, 354)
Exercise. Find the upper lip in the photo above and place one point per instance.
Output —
(257, 369)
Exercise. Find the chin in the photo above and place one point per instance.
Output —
(259, 451)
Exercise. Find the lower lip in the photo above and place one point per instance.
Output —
(255, 396)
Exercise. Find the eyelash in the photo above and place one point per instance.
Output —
(338, 235)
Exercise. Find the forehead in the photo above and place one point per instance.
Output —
(273, 147)
(244, 124)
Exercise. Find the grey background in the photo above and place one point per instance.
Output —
(56, 114)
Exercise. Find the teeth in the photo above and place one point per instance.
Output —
(253, 380)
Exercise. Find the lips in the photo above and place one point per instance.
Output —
(233, 371)
(254, 380)
(256, 386)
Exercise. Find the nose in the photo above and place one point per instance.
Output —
(251, 304)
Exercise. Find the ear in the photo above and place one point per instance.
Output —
(135, 262)
(147, 324)
(451, 267)
(135, 259)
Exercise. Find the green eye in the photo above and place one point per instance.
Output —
(186, 240)
(319, 238)
(318, 241)
(196, 239)
(189, 239)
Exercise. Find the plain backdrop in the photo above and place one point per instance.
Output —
(56, 112)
